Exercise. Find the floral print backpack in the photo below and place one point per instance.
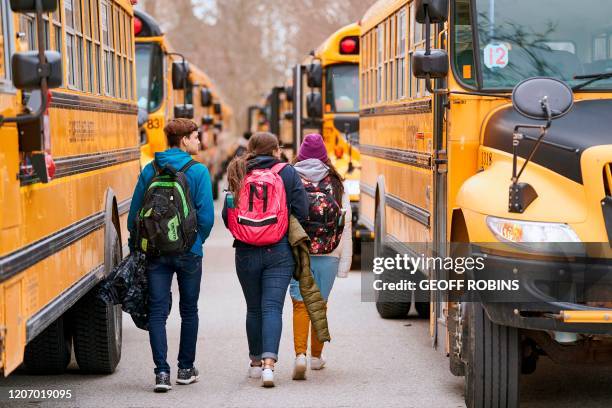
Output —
(325, 221)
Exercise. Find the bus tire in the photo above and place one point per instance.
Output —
(49, 352)
(97, 335)
(390, 304)
(422, 309)
(493, 362)
(97, 326)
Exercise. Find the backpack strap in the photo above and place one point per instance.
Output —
(156, 168)
(278, 167)
(189, 165)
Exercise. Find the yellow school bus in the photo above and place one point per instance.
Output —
(450, 153)
(334, 111)
(162, 77)
(69, 164)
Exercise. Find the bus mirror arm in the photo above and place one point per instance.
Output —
(521, 195)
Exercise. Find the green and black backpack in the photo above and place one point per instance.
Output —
(167, 222)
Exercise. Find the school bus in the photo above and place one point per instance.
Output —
(444, 132)
(162, 81)
(334, 111)
(70, 162)
(169, 87)
(278, 113)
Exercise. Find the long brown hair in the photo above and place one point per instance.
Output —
(336, 179)
(260, 144)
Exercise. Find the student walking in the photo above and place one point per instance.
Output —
(263, 193)
(170, 217)
(331, 249)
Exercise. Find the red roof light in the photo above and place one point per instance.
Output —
(349, 45)
(137, 26)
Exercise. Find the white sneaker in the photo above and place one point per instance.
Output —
(267, 377)
(299, 367)
(316, 363)
(254, 371)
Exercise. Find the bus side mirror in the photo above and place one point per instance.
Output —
(217, 108)
(432, 66)
(26, 74)
(314, 105)
(180, 72)
(436, 9)
(314, 75)
(542, 98)
(205, 97)
(207, 120)
(183, 111)
(29, 6)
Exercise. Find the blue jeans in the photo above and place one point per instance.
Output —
(324, 270)
(264, 274)
(188, 268)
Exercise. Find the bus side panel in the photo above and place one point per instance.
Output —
(14, 336)
(10, 216)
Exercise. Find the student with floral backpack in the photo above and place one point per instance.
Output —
(328, 226)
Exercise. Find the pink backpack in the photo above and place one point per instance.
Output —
(261, 217)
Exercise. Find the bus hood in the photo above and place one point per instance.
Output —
(588, 124)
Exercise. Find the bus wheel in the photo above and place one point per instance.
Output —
(97, 328)
(49, 352)
(390, 304)
(493, 362)
(422, 309)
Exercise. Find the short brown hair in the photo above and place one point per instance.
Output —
(176, 129)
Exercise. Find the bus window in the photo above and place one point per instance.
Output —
(464, 50)
(342, 88)
(515, 44)
(150, 66)
(2, 37)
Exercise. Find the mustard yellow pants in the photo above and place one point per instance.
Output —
(301, 327)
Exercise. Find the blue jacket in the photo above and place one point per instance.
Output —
(200, 190)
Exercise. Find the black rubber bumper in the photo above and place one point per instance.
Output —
(546, 288)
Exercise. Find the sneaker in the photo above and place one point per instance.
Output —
(267, 377)
(187, 375)
(162, 382)
(254, 371)
(317, 363)
(299, 367)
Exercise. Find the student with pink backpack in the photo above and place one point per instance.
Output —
(263, 193)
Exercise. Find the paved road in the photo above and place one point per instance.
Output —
(371, 362)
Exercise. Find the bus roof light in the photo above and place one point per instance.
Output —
(349, 45)
(137, 26)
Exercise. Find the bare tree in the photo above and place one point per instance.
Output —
(248, 46)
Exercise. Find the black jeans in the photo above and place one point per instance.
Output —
(188, 268)
(264, 274)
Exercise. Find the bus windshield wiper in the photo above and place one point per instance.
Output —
(591, 78)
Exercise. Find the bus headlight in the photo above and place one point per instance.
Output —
(351, 187)
(526, 232)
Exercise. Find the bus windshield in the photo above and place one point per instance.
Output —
(519, 39)
(150, 74)
(342, 89)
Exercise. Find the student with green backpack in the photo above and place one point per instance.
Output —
(171, 215)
